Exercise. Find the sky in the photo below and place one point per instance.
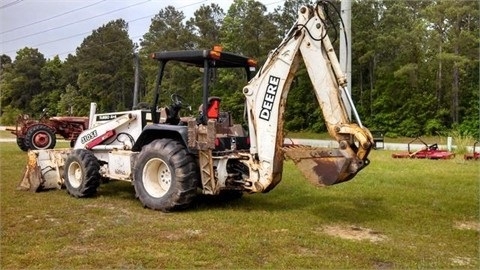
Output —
(58, 27)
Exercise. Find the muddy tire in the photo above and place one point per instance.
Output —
(165, 176)
(21, 144)
(40, 137)
(81, 173)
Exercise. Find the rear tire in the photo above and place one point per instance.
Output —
(21, 144)
(81, 174)
(40, 137)
(165, 176)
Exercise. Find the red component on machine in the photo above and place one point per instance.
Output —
(100, 139)
(427, 152)
(213, 109)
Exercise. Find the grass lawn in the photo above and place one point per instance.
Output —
(395, 214)
(6, 134)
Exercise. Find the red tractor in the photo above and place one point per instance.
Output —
(41, 134)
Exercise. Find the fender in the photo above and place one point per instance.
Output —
(159, 131)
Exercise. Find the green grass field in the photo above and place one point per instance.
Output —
(395, 214)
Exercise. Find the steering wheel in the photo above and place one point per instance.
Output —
(44, 113)
(179, 101)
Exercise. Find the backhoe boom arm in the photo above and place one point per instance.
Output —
(266, 96)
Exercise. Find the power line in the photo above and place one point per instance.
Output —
(108, 43)
(56, 16)
(132, 38)
(276, 2)
(72, 23)
(85, 33)
(133, 20)
(59, 39)
(10, 4)
(71, 51)
(137, 19)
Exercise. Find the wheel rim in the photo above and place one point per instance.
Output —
(75, 174)
(157, 177)
(41, 140)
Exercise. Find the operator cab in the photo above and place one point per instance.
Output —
(229, 136)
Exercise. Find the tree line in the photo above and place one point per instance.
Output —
(415, 65)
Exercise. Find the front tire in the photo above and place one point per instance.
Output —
(81, 174)
(40, 137)
(165, 176)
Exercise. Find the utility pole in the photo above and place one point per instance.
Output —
(137, 75)
(346, 46)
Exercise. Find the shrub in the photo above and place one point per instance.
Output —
(9, 116)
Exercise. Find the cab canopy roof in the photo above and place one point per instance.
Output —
(219, 59)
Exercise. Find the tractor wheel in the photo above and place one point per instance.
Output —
(21, 144)
(81, 174)
(165, 176)
(40, 137)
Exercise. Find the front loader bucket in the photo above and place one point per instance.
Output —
(324, 166)
(44, 170)
(32, 176)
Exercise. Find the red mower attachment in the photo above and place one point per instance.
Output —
(474, 155)
(428, 152)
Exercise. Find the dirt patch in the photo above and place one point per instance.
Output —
(87, 232)
(461, 261)
(381, 265)
(467, 225)
(354, 233)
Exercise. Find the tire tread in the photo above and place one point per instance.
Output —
(185, 171)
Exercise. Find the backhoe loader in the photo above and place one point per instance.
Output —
(171, 159)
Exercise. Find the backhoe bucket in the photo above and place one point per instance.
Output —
(44, 170)
(324, 166)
